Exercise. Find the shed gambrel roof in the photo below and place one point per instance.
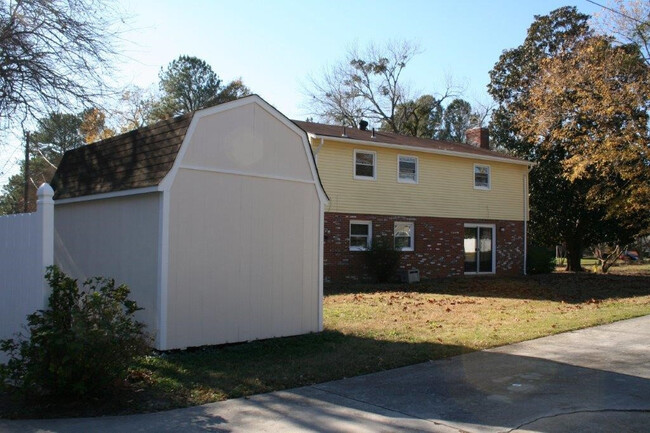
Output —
(390, 138)
(137, 159)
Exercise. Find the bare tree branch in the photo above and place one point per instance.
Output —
(629, 22)
(47, 161)
(482, 112)
(365, 85)
(53, 53)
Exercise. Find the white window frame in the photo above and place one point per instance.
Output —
(483, 187)
(374, 165)
(411, 247)
(417, 169)
(369, 243)
(494, 246)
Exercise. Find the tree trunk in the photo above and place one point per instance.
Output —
(573, 256)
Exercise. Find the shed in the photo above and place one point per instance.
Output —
(214, 219)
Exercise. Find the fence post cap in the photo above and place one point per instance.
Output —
(45, 190)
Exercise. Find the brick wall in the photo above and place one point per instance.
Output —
(438, 246)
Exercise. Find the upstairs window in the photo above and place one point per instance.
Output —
(404, 236)
(365, 166)
(481, 176)
(360, 235)
(407, 167)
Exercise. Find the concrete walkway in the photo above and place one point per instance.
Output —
(593, 380)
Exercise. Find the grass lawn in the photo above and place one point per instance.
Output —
(370, 328)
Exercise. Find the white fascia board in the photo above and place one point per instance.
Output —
(422, 149)
(106, 195)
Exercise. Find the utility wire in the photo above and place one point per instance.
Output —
(615, 11)
(2, 171)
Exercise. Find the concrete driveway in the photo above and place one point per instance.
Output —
(593, 380)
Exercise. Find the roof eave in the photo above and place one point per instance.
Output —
(422, 149)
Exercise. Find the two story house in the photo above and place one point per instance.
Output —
(451, 208)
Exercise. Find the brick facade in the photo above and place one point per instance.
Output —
(438, 246)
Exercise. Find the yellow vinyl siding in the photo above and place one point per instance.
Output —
(445, 185)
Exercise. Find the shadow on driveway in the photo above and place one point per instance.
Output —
(557, 383)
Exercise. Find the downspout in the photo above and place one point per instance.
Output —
(321, 246)
(525, 186)
(322, 141)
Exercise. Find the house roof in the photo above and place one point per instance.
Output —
(137, 159)
(390, 138)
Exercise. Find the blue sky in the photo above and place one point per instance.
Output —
(274, 45)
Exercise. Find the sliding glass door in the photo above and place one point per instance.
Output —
(479, 249)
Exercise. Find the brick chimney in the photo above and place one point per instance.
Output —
(478, 137)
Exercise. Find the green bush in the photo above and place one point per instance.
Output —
(81, 345)
(540, 260)
(382, 259)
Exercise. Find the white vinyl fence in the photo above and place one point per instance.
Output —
(26, 249)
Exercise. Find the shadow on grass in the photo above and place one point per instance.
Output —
(238, 370)
(213, 373)
(567, 287)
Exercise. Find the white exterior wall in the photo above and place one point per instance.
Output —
(244, 230)
(114, 238)
(26, 249)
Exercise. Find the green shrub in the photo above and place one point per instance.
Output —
(540, 260)
(81, 345)
(382, 259)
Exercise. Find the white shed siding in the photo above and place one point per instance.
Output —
(244, 224)
(243, 259)
(115, 238)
